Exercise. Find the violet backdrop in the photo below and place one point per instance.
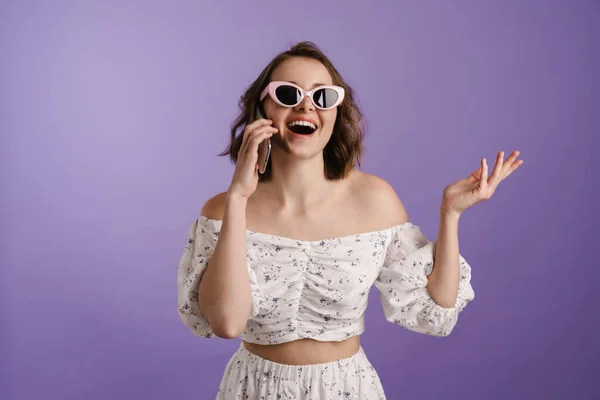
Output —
(111, 116)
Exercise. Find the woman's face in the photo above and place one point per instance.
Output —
(306, 73)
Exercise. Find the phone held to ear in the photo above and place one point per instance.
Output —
(264, 148)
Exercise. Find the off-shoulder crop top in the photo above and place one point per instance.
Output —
(319, 289)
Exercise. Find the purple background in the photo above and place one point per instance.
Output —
(111, 117)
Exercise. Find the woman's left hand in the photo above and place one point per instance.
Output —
(464, 193)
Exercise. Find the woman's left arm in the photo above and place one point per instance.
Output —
(445, 277)
(443, 282)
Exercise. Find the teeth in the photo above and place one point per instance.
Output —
(302, 123)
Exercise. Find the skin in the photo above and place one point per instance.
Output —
(299, 202)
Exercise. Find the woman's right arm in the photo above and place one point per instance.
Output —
(224, 294)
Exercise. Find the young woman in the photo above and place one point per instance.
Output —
(286, 258)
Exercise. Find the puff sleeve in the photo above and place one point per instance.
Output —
(201, 242)
(402, 283)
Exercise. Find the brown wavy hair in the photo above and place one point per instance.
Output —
(345, 147)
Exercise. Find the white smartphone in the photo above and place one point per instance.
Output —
(264, 148)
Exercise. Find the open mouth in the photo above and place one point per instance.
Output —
(302, 127)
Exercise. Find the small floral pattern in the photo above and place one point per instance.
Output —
(248, 376)
(319, 289)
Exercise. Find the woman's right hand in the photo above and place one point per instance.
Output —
(245, 176)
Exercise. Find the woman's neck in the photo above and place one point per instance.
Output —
(299, 185)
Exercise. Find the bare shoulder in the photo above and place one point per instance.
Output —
(378, 199)
(213, 208)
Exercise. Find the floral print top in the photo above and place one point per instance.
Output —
(319, 289)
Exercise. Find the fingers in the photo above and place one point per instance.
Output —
(513, 156)
(245, 177)
(253, 126)
(503, 168)
(484, 175)
(248, 136)
(511, 164)
(255, 141)
(495, 178)
(250, 155)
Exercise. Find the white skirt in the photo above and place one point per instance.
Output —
(248, 376)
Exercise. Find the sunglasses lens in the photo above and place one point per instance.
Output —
(325, 98)
(288, 95)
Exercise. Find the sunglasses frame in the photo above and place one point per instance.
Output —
(272, 87)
